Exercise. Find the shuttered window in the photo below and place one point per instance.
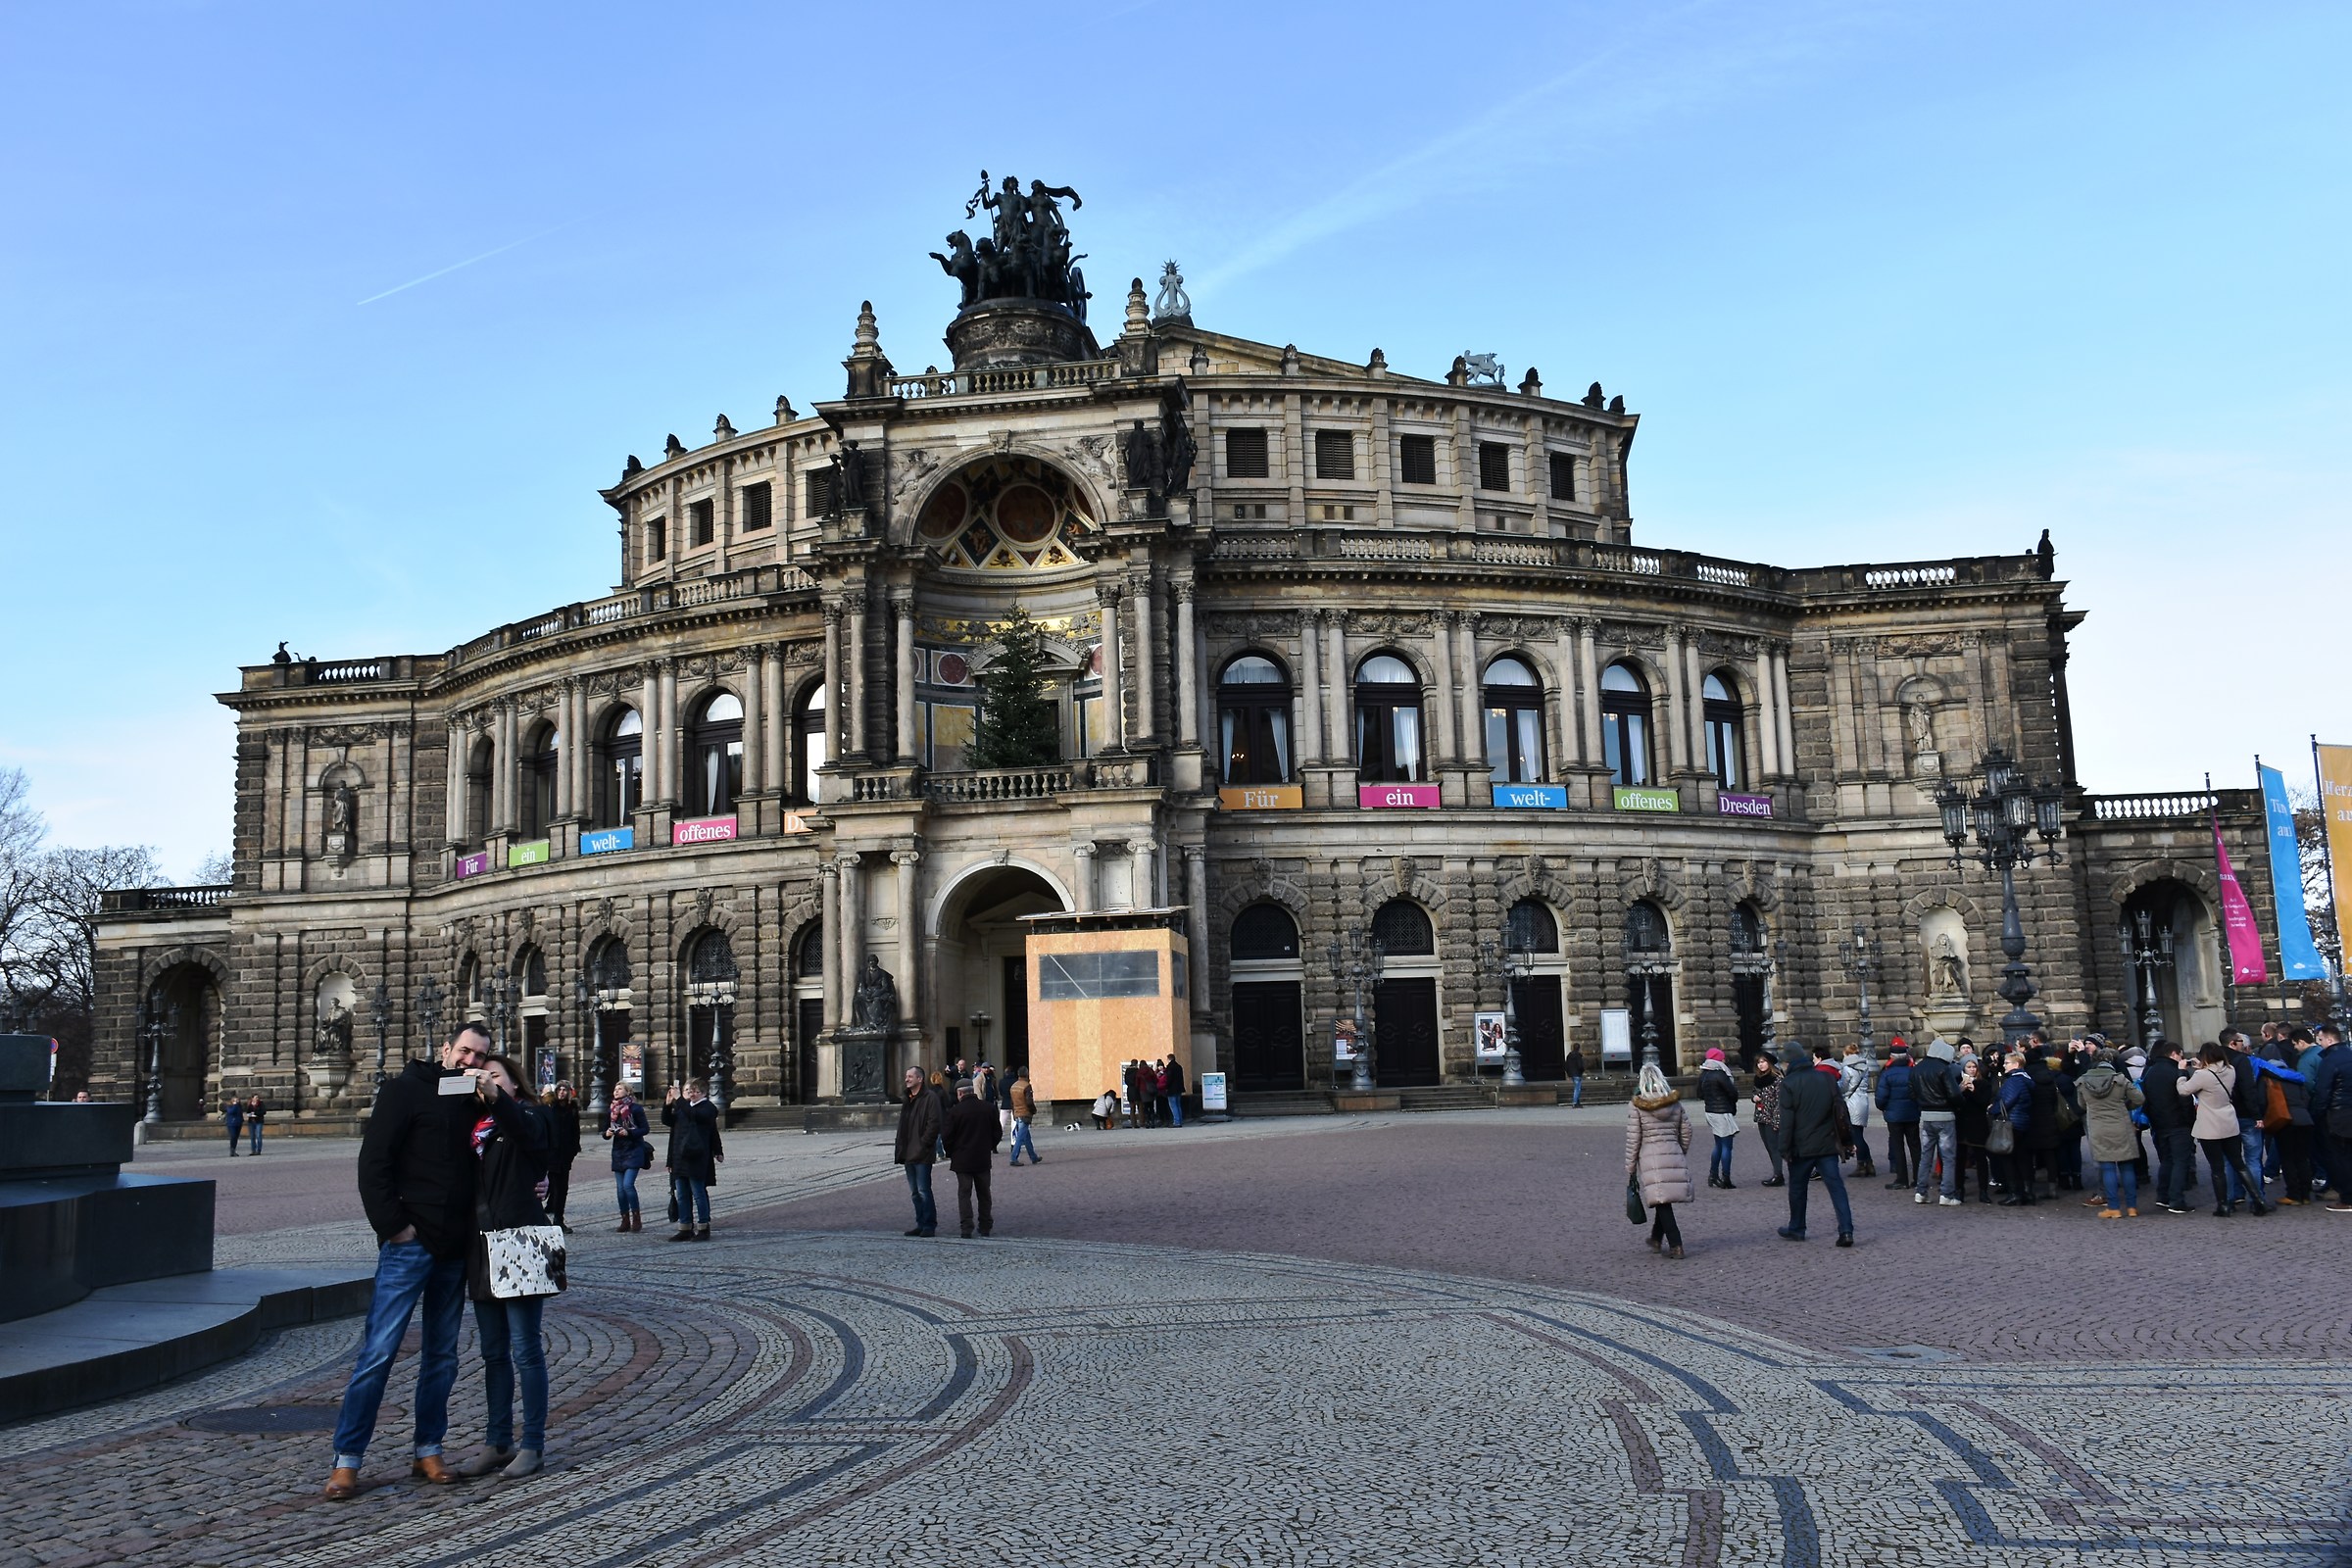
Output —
(819, 483)
(758, 510)
(1246, 453)
(704, 515)
(657, 539)
(1335, 454)
(1493, 466)
(1563, 476)
(1417, 459)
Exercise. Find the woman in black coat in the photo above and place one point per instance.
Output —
(511, 1140)
(563, 1146)
(695, 1151)
(1971, 1115)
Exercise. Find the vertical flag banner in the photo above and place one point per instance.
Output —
(2298, 957)
(2247, 966)
(2335, 809)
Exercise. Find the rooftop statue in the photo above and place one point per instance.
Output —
(1026, 255)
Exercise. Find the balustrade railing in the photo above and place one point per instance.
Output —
(2175, 806)
(163, 900)
(998, 784)
(997, 382)
(653, 599)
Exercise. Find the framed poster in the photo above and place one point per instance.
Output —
(1616, 1035)
(1343, 1042)
(1487, 1029)
(1212, 1090)
(632, 1063)
(547, 1068)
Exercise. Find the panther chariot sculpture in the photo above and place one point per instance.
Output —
(1026, 254)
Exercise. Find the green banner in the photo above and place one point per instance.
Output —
(1642, 797)
(534, 853)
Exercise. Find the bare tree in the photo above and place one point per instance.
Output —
(215, 870)
(20, 834)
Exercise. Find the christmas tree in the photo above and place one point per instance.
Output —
(1018, 726)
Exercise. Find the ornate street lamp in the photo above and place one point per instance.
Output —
(1862, 960)
(160, 1028)
(1648, 956)
(1513, 966)
(1356, 964)
(2005, 815)
(498, 995)
(428, 1013)
(381, 1005)
(2145, 951)
(718, 996)
(979, 1022)
(593, 1003)
(1774, 969)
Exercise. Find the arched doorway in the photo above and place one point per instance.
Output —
(1650, 967)
(1751, 970)
(2191, 1006)
(808, 1009)
(1532, 935)
(1269, 1036)
(979, 997)
(186, 1006)
(1405, 1005)
(710, 978)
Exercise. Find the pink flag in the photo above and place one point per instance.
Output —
(2245, 938)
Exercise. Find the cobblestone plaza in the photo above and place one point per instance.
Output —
(1464, 1373)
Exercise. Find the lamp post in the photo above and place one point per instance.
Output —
(2005, 815)
(2145, 951)
(428, 1012)
(380, 1005)
(1356, 964)
(1512, 965)
(1862, 960)
(1748, 958)
(979, 1022)
(499, 992)
(595, 1002)
(1646, 960)
(158, 1030)
(1773, 969)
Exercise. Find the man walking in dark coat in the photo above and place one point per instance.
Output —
(695, 1151)
(1814, 1137)
(417, 1177)
(918, 1150)
(972, 1136)
(2168, 1118)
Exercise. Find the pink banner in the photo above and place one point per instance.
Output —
(2245, 938)
(1380, 797)
(703, 830)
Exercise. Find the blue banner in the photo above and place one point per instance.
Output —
(2298, 957)
(606, 840)
(1531, 797)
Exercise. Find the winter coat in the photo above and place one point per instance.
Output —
(1934, 1083)
(1896, 1100)
(2247, 1096)
(564, 1133)
(1854, 1082)
(2210, 1087)
(1973, 1107)
(2017, 1102)
(1718, 1091)
(2108, 1100)
(2330, 1087)
(631, 1150)
(1656, 1135)
(233, 1113)
(513, 1148)
(1767, 1099)
(2160, 1083)
(2297, 1087)
(1573, 1062)
(919, 1130)
(2041, 1126)
(695, 1141)
(417, 1164)
(1809, 1122)
(972, 1134)
(1173, 1079)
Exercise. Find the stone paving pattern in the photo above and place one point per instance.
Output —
(1151, 1364)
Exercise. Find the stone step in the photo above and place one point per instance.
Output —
(1279, 1103)
(1447, 1096)
(278, 1125)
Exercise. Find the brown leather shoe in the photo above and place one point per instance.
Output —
(342, 1486)
(429, 1469)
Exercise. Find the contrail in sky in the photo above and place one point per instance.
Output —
(467, 262)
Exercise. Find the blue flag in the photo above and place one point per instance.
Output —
(2298, 957)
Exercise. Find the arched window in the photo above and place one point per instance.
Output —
(1254, 720)
(1625, 725)
(809, 742)
(712, 959)
(620, 771)
(469, 997)
(539, 781)
(1402, 928)
(609, 965)
(481, 765)
(532, 963)
(1514, 724)
(808, 955)
(1719, 707)
(1387, 721)
(1264, 931)
(1747, 932)
(717, 756)
(1531, 928)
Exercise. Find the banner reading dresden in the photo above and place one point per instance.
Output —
(2298, 957)
(2335, 810)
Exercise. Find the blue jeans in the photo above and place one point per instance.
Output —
(1719, 1164)
(254, 1129)
(625, 1183)
(2251, 1136)
(2122, 1176)
(1937, 1140)
(918, 1186)
(693, 1199)
(405, 1274)
(236, 1130)
(511, 1349)
(1800, 1174)
(1021, 1139)
(1176, 1109)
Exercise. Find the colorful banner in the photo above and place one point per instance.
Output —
(535, 852)
(2299, 956)
(1381, 796)
(604, 840)
(1262, 798)
(1642, 797)
(703, 830)
(2246, 966)
(1531, 797)
(2335, 763)
(472, 864)
(1730, 805)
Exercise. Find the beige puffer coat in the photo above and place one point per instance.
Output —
(1656, 1133)
(2209, 1087)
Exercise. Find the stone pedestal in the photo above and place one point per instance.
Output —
(1001, 334)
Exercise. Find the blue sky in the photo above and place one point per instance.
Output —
(325, 322)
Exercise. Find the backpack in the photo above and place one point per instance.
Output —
(2275, 1111)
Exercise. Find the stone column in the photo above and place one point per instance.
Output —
(668, 696)
(856, 657)
(902, 608)
(1440, 710)
(911, 935)
(831, 918)
(1785, 719)
(1311, 688)
(502, 815)
(567, 744)
(835, 705)
(649, 721)
(755, 722)
(853, 929)
(1115, 683)
(1695, 684)
(1139, 616)
(1572, 733)
(1337, 711)
(1196, 898)
(776, 766)
(1084, 855)
(1589, 671)
(1143, 859)
(1768, 729)
(1188, 669)
(583, 754)
(453, 821)
(1474, 729)
(1678, 724)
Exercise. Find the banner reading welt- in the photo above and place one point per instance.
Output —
(2335, 809)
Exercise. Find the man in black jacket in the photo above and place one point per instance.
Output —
(917, 1149)
(695, 1147)
(417, 1178)
(972, 1136)
(2170, 1117)
(1814, 1134)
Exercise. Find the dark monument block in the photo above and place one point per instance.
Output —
(71, 1222)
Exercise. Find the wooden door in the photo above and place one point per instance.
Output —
(1542, 1043)
(1269, 1037)
(1405, 1040)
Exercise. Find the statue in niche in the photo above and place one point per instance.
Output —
(342, 811)
(874, 1006)
(1948, 971)
(1143, 459)
(1920, 720)
(334, 1031)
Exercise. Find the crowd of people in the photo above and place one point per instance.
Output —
(1150, 1093)
(2029, 1121)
